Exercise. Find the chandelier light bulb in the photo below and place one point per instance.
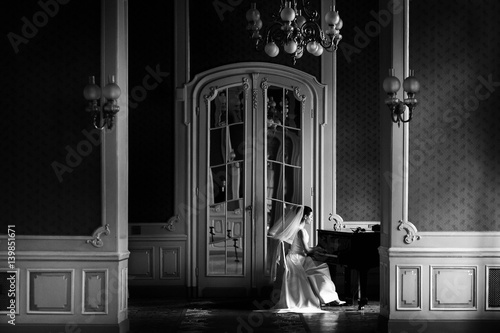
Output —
(312, 47)
(287, 14)
(296, 27)
(272, 49)
(300, 20)
(339, 25)
(319, 51)
(332, 18)
(253, 14)
(290, 47)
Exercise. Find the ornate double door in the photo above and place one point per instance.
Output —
(254, 151)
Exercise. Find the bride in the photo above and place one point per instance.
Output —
(306, 283)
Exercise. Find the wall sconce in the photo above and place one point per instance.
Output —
(111, 92)
(391, 86)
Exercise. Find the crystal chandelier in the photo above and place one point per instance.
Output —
(295, 30)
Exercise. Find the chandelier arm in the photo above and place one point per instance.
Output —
(309, 11)
(311, 31)
(275, 34)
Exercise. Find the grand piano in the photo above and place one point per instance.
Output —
(353, 251)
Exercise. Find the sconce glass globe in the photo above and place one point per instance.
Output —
(92, 91)
(411, 85)
(111, 91)
(391, 84)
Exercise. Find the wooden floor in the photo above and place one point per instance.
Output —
(238, 315)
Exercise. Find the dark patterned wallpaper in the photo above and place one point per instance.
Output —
(151, 111)
(455, 134)
(358, 130)
(50, 170)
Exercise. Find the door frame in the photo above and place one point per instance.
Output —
(321, 195)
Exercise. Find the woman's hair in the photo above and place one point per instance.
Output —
(307, 210)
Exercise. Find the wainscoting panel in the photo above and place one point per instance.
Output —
(409, 288)
(124, 292)
(170, 259)
(493, 288)
(140, 262)
(50, 291)
(453, 288)
(95, 291)
(158, 257)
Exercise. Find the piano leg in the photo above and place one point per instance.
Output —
(362, 284)
(347, 284)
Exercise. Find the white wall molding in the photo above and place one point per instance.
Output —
(23, 256)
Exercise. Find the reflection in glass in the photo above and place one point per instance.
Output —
(234, 248)
(275, 143)
(217, 184)
(293, 111)
(235, 181)
(218, 109)
(217, 146)
(236, 142)
(236, 105)
(292, 147)
(274, 180)
(274, 106)
(226, 175)
(284, 154)
(293, 184)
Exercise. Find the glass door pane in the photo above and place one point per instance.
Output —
(226, 183)
(283, 155)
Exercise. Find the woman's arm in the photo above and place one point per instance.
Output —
(310, 251)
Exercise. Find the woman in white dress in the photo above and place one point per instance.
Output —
(306, 283)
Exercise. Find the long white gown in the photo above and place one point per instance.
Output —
(306, 283)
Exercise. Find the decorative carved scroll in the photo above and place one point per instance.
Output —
(411, 231)
(170, 223)
(97, 241)
(339, 221)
